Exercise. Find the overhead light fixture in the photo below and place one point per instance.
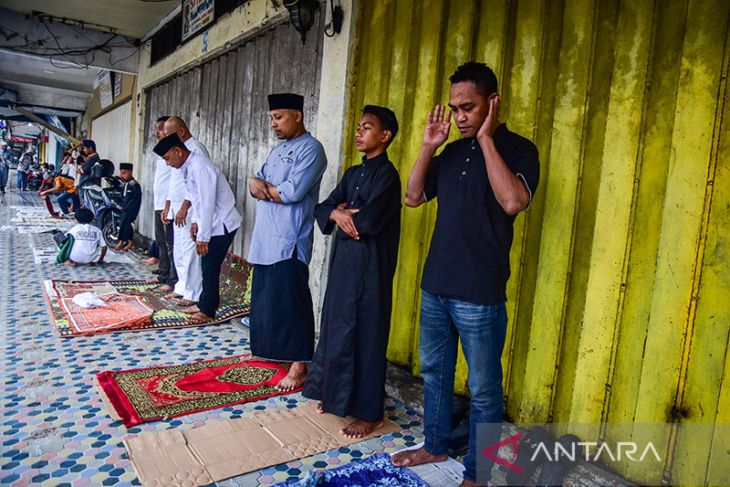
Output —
(48, 71)
(301, 15)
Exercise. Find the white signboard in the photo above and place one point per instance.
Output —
(196, 15)
(104, 82)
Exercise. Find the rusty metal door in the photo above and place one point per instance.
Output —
(224, 103)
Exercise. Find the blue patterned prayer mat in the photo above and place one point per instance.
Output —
(374, 471)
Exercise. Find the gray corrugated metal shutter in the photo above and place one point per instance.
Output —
(224, 103)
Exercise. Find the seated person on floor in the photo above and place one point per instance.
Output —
(65, 188)
(89, 245)
(132, 200)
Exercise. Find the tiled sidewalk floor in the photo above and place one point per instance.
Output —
(55, 430)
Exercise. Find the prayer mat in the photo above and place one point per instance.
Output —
(154, 393)
(121, 311)
(48, 255)
(374, 471)
(224, 449)
(42, 219)
(235, 302)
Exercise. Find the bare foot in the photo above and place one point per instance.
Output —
(191, 309)
(320, 408)
(186, 302)
(172, 295)
(294, 379)
(129, 246)
(152, 261)
(70, 263)
(360, 428)
(165, 288)
(199, 318)
(412, 458)
(119, 247)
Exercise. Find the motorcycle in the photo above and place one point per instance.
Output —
(35, 178)
(105, 203)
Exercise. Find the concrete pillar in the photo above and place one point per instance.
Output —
(334, 93)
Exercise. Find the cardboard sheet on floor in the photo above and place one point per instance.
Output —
(225, 449)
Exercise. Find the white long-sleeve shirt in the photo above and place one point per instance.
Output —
(213, 202)
(177, 192)
(162, 182)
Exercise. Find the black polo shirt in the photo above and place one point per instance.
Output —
(469, 254)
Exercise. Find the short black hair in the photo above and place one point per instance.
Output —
(84, 215)
(386, 117)
(163, 118)
(478, 73)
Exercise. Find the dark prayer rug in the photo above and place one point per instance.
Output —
(235, 302)
(150, 394)
(374, 471)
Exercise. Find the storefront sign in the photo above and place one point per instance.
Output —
(104, 82)
(196, 15)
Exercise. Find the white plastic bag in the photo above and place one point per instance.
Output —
(88, 300)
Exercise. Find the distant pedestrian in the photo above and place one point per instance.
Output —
(26, 161)
(5, 157)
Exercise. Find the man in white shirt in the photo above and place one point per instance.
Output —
(89, 245)
(187, 261)
(214, 218)
(167, 275)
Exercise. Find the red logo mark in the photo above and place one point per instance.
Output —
(491, 452)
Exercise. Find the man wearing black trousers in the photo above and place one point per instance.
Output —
(213, 215)
(167, 276)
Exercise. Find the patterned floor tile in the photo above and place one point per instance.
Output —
(53, 427)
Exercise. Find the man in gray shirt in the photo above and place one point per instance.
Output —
(287, 188)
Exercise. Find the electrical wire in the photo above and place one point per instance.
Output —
(38, 47)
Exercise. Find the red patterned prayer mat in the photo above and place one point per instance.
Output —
(121, 310)
(235, 302)
(142, 395)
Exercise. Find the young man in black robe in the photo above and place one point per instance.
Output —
(347, 374)
(132, 194)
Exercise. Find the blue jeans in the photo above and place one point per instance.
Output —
(22, 181)
(482, 330)
(63, 200)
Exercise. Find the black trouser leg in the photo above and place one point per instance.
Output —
(163, 236)
(211, 267)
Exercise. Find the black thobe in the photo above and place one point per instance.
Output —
(348, 371)
(131, 202)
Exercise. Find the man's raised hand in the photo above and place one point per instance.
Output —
(438, 125)
(492, 121)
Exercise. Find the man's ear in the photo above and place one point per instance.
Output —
(387, 135)
(298, 116)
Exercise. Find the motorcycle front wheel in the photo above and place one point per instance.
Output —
(110, 231)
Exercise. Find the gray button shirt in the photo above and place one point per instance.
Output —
(295, 168)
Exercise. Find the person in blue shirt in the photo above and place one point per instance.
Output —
(286, 189)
